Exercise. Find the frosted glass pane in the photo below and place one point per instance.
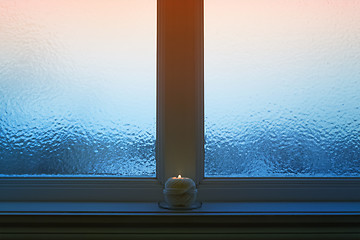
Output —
(77, 87)
(282, 84)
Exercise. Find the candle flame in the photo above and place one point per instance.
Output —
(179, 176)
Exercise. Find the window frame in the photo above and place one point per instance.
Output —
(180, 136)
(277, 188)
(125, 189)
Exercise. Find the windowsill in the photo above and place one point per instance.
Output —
(245, 220)
(208, 208)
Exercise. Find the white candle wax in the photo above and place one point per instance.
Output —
(180, 184)
(180, 191)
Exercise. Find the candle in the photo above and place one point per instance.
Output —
(180, 191)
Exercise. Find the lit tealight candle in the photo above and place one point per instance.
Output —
(180, 191)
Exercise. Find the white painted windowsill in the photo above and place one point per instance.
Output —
(208, 208)
(213, 221)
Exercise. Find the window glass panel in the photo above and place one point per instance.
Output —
(282, 85)
(77, 87)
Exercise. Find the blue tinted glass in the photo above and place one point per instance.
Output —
(77, 87)
(282, 85)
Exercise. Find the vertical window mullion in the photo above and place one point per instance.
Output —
(180, 88)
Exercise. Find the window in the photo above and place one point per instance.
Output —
(180, 135)
(281, 88)
(73, 102)
(77, 91)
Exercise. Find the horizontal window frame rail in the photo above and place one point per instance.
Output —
(280, 189)
(145, 190)
(80, 189)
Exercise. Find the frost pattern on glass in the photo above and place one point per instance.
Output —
(282, 84)
(77, 88)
